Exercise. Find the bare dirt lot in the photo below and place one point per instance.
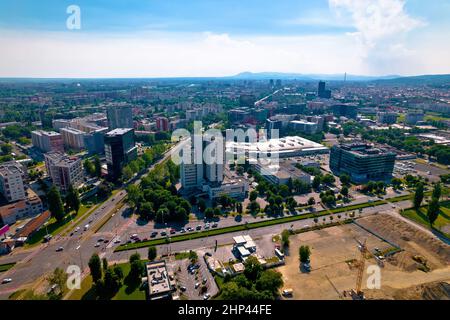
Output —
(402, 277)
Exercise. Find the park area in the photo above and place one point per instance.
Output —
(420, 269)
(442, 223)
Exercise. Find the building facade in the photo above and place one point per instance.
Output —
(119, 117)
(47, 141)
(362, 162)
(12, 184)
(72, 138)
(64, 170)
(120, 149)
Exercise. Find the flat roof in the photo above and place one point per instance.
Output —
(118, 131)
(158, 278)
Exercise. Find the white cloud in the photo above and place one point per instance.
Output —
(381, 29)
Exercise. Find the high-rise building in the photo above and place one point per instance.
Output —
(387, 117)
(414, 116)
(12, 184)
(47, 141)
(120, 149)
(120, 116)
(362, 162)
(94, 142)
(162, 124)
(72, 138)
(64, 170)
(214, 158)
(322, 92)
(191, 171)
(345, 110)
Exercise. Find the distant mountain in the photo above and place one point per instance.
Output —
(436, 79)
(308, 77)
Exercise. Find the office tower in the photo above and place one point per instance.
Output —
(72, 138)
(120, 149)
(362, 162)
(162, 124)
(214, 158)
(345, 110)
(414, 116)
(119, 117)
(94, 142)
(12, 181)
(64, 170)
(387, 117)
(322, 92)
(273, 125)
(47, 141)
(191, 170)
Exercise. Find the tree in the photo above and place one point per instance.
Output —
(304, 252)
(90, 169)
(152, 253)
(73, 199)
(437, 191)
(95, 267)
(97, 166)
(209, 213)
(316, 182)
(55, 204)
(344, 191)
(270, 280)
(253, 207)
(252, 268)
(111, 283)
(311, 201)
(133, 195)
(127, 173)
(418, 195)
(201, 205)
(396, 183)
(253, 195)
(285, 238)
(433, 210)
(105, 264)
(58, 278)
(345, 179)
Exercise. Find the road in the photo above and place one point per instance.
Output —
(34, 263)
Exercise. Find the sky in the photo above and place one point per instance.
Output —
(208, 38)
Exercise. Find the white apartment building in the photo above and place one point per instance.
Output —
(11, 181)
(72, 138)
(47, 141)
(64, 170)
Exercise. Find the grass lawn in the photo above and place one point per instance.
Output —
(125, 292)
(55, 227)
(6, 266)
(420, 216)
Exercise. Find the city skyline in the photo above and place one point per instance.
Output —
(215, 39)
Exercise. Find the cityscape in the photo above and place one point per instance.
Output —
(251, 185)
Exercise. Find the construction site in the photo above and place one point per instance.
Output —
(344, 260)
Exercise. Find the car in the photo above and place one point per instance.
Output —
(204, 280)
(77, 229)
(206, 226)
(97, 245)
(145, 239)
(182, 230)
(71, 234)
(86, 227)
(215, 225)
(117, 240)
(172, 231)
(105, 241)
(48, 237)
(153, 234)
(190, 229)
(206, 296)
(59, 249)
(183, 288)
(100, 239)
(197, 284)
(287, 292)
(6, 280)
(199, 227)
(163, 233)
(133, 236)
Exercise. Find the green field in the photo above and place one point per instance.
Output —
(6, 266)
(86, 292)
(420, 216)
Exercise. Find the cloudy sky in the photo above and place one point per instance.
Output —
(167, 38)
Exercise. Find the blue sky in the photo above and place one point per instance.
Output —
(223, 37)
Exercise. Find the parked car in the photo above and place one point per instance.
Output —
(183, 288)
(190, 229)
(199, 227)
(287, 292)
(59, 249)
(153, 234)
(206, 226)
(215, 225)
(204, 280)
(6, 280)
(172, 231)
(206, 296)
(197, 284)
(163, 233)
(183, 230)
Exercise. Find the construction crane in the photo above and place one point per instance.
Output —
(362, 263)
